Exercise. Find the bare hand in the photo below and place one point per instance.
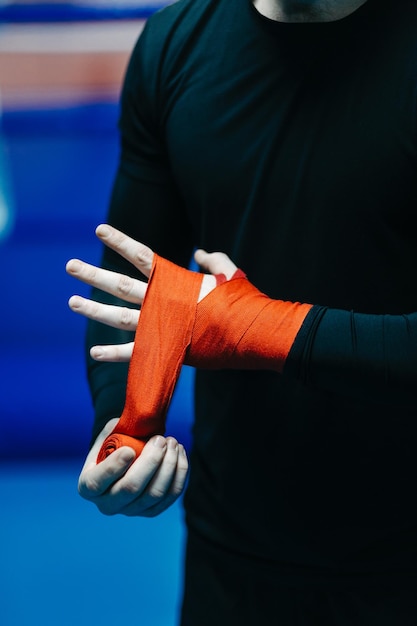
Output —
(144, 487)
(129, 289)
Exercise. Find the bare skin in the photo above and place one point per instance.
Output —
(307, 10)
(151, 483)
(128, 289)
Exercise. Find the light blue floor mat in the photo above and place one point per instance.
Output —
(65, 564)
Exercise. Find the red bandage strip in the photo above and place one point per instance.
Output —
(239, 327)
(234, 326)
(162, 336)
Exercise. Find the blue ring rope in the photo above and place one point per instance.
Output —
(67, 12)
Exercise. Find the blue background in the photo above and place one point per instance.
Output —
(61, 561)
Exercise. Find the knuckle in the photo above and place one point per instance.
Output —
(177, 488)
(178, 483)
(118, 354)
(144, 256)
(126, 316)
(90, 272)
(94, 308)
(183, 464)
(117, 238)
(88, 487)
(82, 491)
(170, 463)
(218, 257)
(156, 493)
(130, 488)
(182, 459)
(125, 285)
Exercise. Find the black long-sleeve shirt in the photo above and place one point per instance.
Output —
(291, 147)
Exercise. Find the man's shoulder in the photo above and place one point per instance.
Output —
(186, 12)
(175, 30)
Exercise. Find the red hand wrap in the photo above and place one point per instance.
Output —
(238, 327)
(162, 336)
(235, 326)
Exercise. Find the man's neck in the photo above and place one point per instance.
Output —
(307, 10)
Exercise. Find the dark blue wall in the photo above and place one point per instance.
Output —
(61, 164)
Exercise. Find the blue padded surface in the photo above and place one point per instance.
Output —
(65, 564)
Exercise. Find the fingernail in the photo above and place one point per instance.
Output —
(73, 266)
(172, 444)
(74, 302)
(103, 230)
(159, 442)
(97, 353)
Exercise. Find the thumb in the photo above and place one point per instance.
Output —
(215, 263)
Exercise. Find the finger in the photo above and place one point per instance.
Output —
(116, 316)
(121, 353)
(215, 263)
(92, 455)
(95, 479)
(134, 482)
(166, 485)
(133, 251)
(177, 487)
(207, 284)
(181, 473)
(118, 285)
(159, 487)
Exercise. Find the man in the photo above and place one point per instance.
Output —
(283, 134)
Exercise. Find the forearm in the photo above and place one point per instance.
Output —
(362, 356)
(368, 357)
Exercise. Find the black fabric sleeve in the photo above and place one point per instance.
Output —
(371, 358)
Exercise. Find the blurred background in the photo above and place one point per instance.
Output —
(62, 563)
